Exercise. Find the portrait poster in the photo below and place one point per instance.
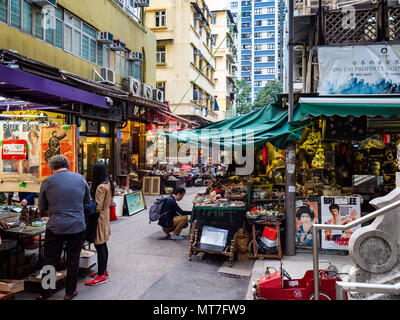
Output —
(307, 213)
(338, 211)
(134, 203)
(60, 140)
(27, 167)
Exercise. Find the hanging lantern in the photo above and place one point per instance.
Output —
(265, 156)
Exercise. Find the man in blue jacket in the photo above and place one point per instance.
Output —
(173, 219)
(27, 198)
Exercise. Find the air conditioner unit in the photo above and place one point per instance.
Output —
(135, 56)
(105, 37)
(132, 85)
(108, 75)
(158, 95)
(147, 91)
(42, 3)
(143, 3)
(118, 45)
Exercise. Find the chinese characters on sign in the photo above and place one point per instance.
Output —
(369, 69)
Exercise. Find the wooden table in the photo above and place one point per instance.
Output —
(28, 232)
(275, 224)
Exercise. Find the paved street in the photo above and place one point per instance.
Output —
(144, 264)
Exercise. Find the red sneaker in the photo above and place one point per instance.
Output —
(95, 274)
(96, 281)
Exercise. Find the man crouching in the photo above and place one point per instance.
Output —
(173, 219)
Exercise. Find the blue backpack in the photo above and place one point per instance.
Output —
(155, 211)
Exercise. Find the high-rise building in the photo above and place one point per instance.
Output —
(185, 62)
(224, 31)
(260, 41)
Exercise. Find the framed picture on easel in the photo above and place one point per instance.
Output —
(134, 203)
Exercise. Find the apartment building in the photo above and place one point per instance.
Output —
(225, 31)
(85, 36)
(260, 41)
(185, 63)
(95, 61)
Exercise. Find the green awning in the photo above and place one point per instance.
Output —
(343, 107)
(270, 124)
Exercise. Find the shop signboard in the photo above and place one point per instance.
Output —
(307, 213)
(359, 69)
(338, 211)
(13, 150)
(55, 141)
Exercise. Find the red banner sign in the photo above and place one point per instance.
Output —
(13, 150)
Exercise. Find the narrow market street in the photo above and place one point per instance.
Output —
(145, 265)
(273, 124)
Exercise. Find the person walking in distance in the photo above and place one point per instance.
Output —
(102, 191)
(173, 219)
(62, 197)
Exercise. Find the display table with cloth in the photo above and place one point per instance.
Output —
(227, 218)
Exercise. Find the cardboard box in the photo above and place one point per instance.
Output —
(87, 259)
(12, 285)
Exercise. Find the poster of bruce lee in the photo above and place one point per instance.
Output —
(338, 211)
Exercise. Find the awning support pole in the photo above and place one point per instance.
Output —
(290, 169)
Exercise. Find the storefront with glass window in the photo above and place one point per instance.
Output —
(95, 144)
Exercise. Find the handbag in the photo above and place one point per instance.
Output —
(91, 220)
(113, 213)
(90, 208)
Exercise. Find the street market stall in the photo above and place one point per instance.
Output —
(346, 155)
(216, 220)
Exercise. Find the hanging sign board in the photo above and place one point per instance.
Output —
(361, 69)
(13, 150)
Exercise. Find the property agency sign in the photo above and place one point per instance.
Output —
(366, 69)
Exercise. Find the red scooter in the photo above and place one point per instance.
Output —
(274, 286)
